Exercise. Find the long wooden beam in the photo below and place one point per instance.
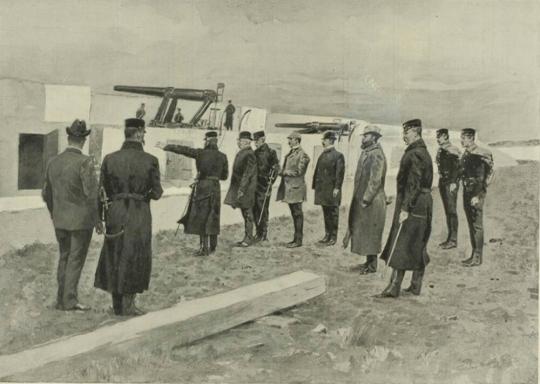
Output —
(192, 320)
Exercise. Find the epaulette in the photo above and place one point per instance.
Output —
(453, 150)
(484, 153)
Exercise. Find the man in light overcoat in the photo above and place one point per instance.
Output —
(367, 212)
(292, 189)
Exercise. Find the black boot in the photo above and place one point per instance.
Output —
(370, 266)
(213, 243)
(469, 259)
(416, 282)
(117, 304)
(325, 239)
(203, 249)
(332, 240)
(392, 290)
(475, 262)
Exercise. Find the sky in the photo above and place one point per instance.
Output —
(453, 64)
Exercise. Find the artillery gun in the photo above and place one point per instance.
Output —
(170, 96)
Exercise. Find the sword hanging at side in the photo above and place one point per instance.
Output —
(268, 188)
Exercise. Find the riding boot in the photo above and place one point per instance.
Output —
(203, 250)
(117, 303)
(392, 290)
(213, 243)
(416, 282)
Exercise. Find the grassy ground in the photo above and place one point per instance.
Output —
(468, 326)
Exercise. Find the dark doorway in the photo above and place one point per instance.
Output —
(34, 153)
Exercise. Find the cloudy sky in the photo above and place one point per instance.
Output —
(451, 63)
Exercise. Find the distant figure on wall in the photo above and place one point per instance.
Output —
(179, 118)
(229, 116)
(71, 195)
(140, 112)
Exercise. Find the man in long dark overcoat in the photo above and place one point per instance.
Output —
(267, 172)
(203, 213)
(327, 183)
(406, 247)
(292, 189)
(241, 193)
(71, 194)
(367, 212)
(130, 178)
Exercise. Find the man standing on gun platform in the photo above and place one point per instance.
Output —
(267, 172)
(241, 193)
(130, 178)
(406, 247)
(327, 183)
(202, 216)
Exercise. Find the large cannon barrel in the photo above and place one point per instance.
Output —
(177, 93)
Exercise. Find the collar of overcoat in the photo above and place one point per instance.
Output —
(132, 145)
(73, 150)
(417, 144)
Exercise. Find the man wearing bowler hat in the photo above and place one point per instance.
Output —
(448, 166)
(203, 213)
(292, 189)
(71, 194)
(476, 172)
(267, 172)
(367, 212)
(130, 178)
(406, 247)
(327, 182)
(241, 193)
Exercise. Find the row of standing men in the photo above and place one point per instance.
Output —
(130, 178)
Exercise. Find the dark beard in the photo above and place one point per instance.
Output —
(366, 144)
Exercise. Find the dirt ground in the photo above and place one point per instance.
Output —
(470, 325)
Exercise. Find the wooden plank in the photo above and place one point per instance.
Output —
(189, 321)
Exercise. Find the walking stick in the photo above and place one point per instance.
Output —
(270, 177)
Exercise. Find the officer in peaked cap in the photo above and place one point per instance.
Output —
(130, 178)
(241, 193)
(267, 172)
(292, 188)
(406, 247)
(202, 216)
(476, 172)
(448, 165)
(327, 182)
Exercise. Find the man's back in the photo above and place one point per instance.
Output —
(70, 191)
(131, 170)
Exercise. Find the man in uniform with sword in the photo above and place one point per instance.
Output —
(203, 212)
(406, 247)
(267, 171)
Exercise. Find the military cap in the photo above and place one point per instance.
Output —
(329, 135)
(414, 123)
(468, 131)
(373, 129)
(294, 135)
(134, 123)
(257, 135)
(210, 134)
(78, 129)
(245, 135)
(442, 131)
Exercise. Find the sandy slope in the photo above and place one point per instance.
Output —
(469, 325)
